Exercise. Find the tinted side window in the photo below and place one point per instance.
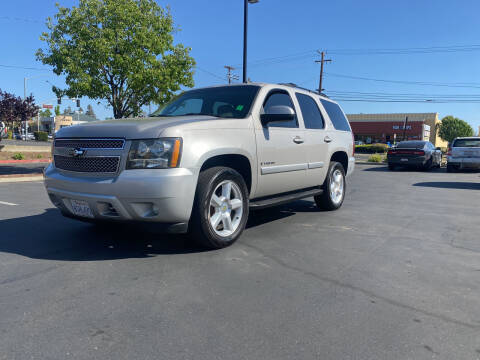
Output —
(312, 117)
(280, 98)
(339, 120)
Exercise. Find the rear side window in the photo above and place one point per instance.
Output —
(339, 120)
(467, 143)
(312, 117)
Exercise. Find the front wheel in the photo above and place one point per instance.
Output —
(334, 188)
(220, 209)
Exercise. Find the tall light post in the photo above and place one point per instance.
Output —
(25, 79)
(245, 26)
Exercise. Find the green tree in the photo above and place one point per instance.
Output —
(452, 127)
(118, 50)
(45, 113)
(57, 110)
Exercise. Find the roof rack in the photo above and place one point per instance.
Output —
(302, 88)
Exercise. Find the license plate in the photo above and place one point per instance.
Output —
(81, 208)
(403, 159)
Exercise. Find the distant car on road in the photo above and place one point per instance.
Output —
(414, 153)
(464, 153)
(359, 142)
(30, 136)
(3, 130)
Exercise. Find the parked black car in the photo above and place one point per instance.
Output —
(413, 153)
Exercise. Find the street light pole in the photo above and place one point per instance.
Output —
(245, 26)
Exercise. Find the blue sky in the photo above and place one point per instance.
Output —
(213, 29)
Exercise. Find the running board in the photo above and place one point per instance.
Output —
(265, 202)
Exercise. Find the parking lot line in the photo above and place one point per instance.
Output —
(7, 203)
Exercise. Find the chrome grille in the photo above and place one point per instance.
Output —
(100, 164)
(90, 143)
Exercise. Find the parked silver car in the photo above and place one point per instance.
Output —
(202, 161)
(464, 153)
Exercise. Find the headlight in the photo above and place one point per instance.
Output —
(154, 153)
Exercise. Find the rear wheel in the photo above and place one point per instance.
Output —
(220, 210)
(428, 165)
(451, 168)
(334, 188)
(391, 166)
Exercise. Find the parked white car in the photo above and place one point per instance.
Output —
(464, 153)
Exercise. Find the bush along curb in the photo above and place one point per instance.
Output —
(24, 161)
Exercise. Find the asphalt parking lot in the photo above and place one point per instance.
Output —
(394, 274)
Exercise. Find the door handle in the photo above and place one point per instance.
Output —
(327, 139)
(297, 140)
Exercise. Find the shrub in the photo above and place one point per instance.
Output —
(41, 135)
(18, 156)
(371, 148)
(376, 158)
(39, 156)
(10, 135)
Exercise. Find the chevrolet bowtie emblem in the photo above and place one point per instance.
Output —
(78, 152)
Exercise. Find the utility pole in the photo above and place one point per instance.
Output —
(322, 61)
(230, 76)
(405, 127)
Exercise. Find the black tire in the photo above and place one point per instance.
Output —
(428, 165)
(200, 229)
(391, 166)
(451, 168)
(325, 201)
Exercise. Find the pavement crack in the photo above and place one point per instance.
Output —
(365, 292)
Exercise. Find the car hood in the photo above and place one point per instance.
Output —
(134, 128)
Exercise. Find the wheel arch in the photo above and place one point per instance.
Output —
(341, 157)
(239, 162)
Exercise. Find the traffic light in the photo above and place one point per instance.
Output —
(78, 102)
(59, 101)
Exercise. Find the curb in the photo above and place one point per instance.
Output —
(24, 161)
(20, 178)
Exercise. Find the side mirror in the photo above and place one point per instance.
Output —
(277, 113)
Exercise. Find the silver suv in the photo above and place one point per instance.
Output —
(202, 161)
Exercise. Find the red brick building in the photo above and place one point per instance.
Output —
(383, 128)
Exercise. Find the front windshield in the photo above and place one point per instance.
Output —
(224, 101)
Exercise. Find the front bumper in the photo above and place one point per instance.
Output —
(156, 195)
(351, 165)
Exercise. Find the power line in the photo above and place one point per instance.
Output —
(210, 73)
(424, 83)
(14, 18)
(22, 67)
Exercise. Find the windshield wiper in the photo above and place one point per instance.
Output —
(205, 114)
(188, 114)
